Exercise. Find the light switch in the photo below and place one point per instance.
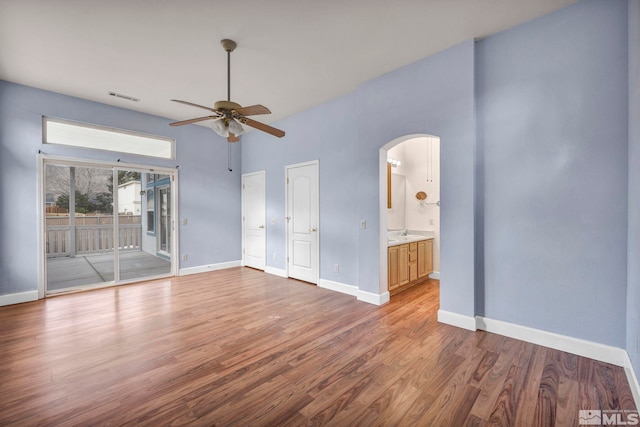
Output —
(363, 224)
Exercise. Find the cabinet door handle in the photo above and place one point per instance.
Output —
(261, 226)
(313, 229)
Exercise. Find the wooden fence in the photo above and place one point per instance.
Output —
(93, 235)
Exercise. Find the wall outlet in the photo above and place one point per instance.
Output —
(275, 255)
(184, 257)
(336, 268)
(273, 221)
(184, 221)
(363, 224)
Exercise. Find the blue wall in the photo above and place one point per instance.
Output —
(433, 96)
(327, 133)
(534, 212)
(552, 97)
(551, 185)
(208, 194)
(633, 287)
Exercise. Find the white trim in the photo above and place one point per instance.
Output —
(632, 378)
(42, 226)
(604, 353)
(435, 275)
(18, 298)
(455, 319)
(276, 271)
(364, 296)
(209, 267)
(371, 298)
(338, 287)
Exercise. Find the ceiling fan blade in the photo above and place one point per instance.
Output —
(261, 126)
(195, 105)
(253, 110)
(233, 138)
(186, 122)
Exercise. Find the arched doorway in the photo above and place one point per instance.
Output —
(409, 177)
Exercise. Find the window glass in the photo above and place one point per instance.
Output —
(151, 210)
(102, 138)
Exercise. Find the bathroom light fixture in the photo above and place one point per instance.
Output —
(394, 162)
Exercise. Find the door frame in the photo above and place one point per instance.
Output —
(42, 159)
(286, 212)
(158, 220)
(383, 281)
(244, 175)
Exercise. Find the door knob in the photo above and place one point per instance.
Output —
(313, 229)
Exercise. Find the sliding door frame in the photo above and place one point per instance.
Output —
(44, 159)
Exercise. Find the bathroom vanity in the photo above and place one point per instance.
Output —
(410, 261)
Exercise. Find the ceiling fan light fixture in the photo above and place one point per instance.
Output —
(235, 127)
(223, 126)
(220, 127)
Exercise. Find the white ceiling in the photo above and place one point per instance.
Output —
(291, 55)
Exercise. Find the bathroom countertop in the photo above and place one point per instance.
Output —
(401, 240)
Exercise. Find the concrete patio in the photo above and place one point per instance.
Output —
(67, 272)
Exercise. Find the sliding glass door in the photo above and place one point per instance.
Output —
(105, 225)
(144, 239)
(78, 225)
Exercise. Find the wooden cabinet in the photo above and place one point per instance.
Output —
(398, 270)
(425, 258)
(409, 263)
(413, 261)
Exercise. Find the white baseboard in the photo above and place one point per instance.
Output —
(435, 275)
(338, 287)
(209, 267)
(364, 296)
(276, 271)
(604, 353)
(18, 298)
(632, 378)
(371, 298)
(455, 319)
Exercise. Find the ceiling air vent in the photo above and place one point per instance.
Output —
(127, 97)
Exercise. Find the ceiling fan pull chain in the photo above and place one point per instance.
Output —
(229, 157)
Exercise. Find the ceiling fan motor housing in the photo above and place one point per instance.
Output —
(226, 105)
(228, 45)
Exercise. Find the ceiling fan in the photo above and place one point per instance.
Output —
(228, 116)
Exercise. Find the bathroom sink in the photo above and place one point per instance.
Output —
(396, 240)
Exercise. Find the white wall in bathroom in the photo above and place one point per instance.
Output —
(421, 167)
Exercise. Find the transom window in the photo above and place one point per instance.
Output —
(103, 138)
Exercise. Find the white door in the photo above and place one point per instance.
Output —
(253, 219)
(302, 221)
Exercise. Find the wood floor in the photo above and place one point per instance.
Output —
(238, 347)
